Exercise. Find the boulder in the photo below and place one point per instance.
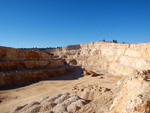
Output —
(89, 72)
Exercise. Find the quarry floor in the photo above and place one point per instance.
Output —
(10, 99)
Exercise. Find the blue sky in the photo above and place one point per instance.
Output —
(52, 23)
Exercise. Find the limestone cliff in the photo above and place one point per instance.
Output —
(114, 58)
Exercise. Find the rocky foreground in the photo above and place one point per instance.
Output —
(63, 102)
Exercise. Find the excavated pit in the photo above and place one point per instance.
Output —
(106, 77)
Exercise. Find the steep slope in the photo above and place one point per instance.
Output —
(114, 58)
(8, 54)
(19, 67)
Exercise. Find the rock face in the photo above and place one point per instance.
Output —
(16, 78)
(59, 103)
(19, 67)
(114, 58)
(133, 98)
(20, 54)
(132, 60)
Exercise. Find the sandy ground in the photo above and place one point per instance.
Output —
(12, 98)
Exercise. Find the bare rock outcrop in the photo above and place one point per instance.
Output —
(8, 54)
(19, 67)
(118, 59)
(22, 65)
(132, 60)
(59, 103)
(89, 72)
(134, 97)
(28, 76)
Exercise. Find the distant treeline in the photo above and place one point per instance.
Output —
(113, 41)
(40, 48)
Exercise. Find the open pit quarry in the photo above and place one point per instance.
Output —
(96, 77)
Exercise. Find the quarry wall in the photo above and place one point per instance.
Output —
(19, 67)
(114, 58)
(7, 53)
(132, 60)
(17, 78)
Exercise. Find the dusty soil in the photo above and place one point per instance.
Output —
(90, 88)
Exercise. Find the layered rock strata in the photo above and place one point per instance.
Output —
(124, 59)
(19, 67)
(16, 78)
(9, 54)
